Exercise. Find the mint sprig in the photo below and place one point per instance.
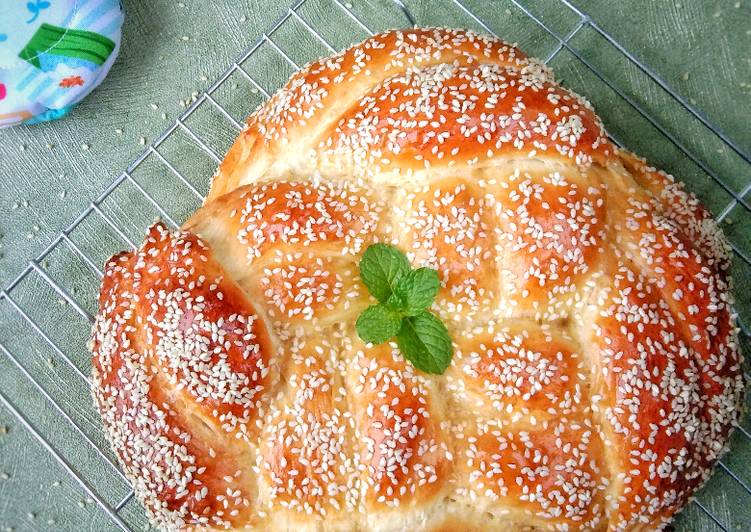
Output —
(403, 295)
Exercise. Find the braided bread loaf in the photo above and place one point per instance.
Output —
(596, 373)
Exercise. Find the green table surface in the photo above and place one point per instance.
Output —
(171, 50)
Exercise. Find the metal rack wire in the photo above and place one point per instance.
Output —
(208, 98)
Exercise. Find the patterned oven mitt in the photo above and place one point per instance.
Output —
(52, 54)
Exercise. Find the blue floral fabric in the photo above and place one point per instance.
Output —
(52, 54)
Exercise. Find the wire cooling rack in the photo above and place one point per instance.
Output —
(634, 111)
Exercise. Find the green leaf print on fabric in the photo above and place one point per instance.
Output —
(80, 44)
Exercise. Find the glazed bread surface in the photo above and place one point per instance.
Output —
(596, 373)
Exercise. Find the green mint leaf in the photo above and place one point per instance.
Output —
(404, 296)
(425, 341)
(417, 290)
(381, 267)
(378, 323)
(395, 303)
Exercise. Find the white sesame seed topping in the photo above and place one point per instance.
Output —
(596, 370)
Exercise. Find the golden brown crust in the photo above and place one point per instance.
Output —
(408, 100)
(181, 371)
(596, 374)
(400, 443)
